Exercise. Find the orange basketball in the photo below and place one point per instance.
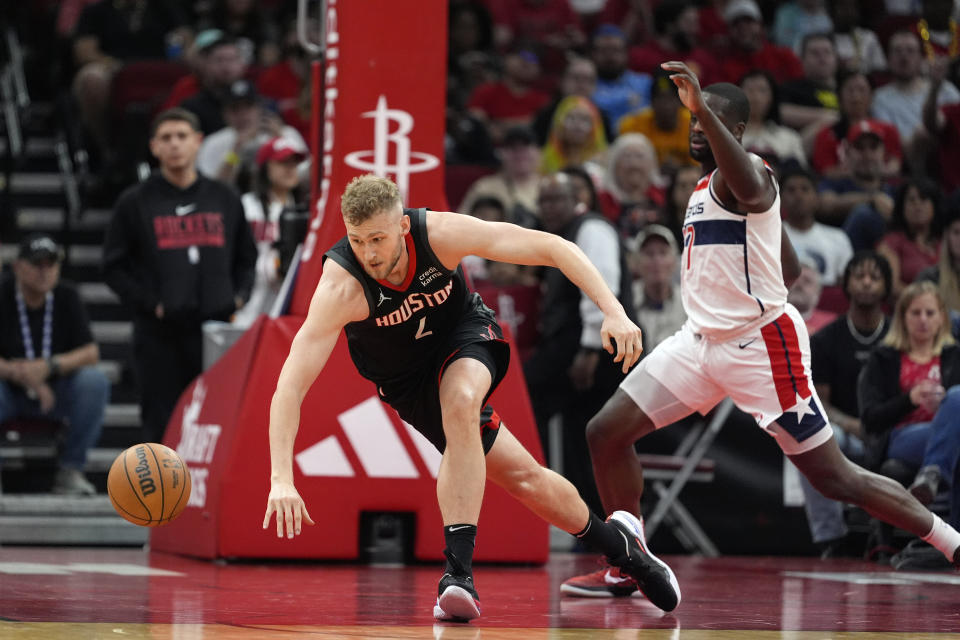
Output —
(149, 484)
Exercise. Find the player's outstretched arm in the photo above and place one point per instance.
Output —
(453, 236)
(337, 301)
(743, 175)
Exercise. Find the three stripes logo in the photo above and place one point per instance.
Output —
(373, 437)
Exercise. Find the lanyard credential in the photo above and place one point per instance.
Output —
(28, 350)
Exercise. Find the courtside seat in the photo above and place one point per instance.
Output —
(669, 474)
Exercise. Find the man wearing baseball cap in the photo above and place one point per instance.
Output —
(228, 154)
(47, 357)
(749, 49)
(861, 181)
(656, 289)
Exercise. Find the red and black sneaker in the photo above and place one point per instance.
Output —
(608, 582)
(654, 578)
(457, 599)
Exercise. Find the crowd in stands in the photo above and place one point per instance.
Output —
(560, 118)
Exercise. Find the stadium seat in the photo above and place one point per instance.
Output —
(459, 177)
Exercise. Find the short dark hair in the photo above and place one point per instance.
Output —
(175, 114)
(862, 257)
(737, 106)
(846, 75)
(819, 35)
(793, 169)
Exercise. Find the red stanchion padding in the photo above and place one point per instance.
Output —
(352, 454)
(383, 112)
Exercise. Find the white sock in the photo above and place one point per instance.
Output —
(943, 537)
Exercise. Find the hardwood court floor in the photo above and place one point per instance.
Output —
(89, 594)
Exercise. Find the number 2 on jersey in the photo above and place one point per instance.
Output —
(420, 331)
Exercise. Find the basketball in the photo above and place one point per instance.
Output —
(149, 484)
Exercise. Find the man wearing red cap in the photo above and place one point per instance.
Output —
(827, 152)
(862, 199)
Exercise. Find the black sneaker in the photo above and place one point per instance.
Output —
(457, 600)
(653, 576)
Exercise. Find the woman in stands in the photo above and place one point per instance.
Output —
(909, 392)
(632, 192)
(276, 189)
(765, 135)
(912, 241)
(576, 136)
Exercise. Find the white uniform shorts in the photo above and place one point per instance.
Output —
(766, 372)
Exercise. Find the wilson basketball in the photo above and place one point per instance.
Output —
(149, 484)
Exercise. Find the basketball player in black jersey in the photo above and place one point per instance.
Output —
(436, 353)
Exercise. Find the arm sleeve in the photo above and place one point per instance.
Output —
(598, 240)
(120, 252)
(245, 253)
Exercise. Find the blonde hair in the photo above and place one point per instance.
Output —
(898, 338)
(367, 196)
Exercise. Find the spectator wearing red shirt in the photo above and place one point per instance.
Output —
(912, 243)
(748, 48)
(512, 101)
(552, 23)
(676, 32)
(854, 92)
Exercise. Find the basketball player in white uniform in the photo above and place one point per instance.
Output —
(741, 339)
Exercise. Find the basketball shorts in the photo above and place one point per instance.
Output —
(766, 372)
(416, 398)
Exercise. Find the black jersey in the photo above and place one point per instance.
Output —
(408, 323)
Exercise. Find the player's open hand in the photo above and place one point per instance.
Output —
(688, 86)
(626, 336)
(289, 507)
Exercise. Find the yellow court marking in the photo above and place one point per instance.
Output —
(124, 631)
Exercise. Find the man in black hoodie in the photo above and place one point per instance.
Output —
(178, 252)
